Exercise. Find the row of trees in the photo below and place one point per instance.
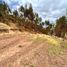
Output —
(27, 12)
(23, 13)
(23, 17)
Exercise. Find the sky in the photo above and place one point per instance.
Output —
(47, 9)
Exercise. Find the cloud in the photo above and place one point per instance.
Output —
(45, 8)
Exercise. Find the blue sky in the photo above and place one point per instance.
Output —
(47, 9)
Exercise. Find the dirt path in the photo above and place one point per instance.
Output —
(20, 51)
(15, 49)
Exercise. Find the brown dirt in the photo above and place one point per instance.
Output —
(19, 51)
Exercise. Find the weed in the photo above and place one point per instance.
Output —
(32, 65)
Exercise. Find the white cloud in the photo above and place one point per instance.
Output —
(45, 8)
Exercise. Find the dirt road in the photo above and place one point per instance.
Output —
(20, 51)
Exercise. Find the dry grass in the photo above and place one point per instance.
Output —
(4, 26)
(56, 45)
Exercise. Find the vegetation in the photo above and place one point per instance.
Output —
(61, 27)
(25, 18)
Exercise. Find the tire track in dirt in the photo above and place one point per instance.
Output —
(5, 42)
(9, 42)
(19, 54)
(14, 43)
(12, 51)
(37, 57)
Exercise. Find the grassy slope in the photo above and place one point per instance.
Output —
(56, 45)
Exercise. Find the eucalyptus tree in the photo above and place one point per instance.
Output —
(61, 27)
(15, 13)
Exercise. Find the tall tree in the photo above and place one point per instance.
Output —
(28, 12)
(15, 13)
(4, 8)
(21, 8)
(48, 27)
(37, 19)
(31, 14)
(61, 25)
(47, 22)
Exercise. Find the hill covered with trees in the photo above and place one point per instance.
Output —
(26, 19)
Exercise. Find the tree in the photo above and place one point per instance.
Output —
(42, 23)
(15, 13)
(4, 8)
(61, 25)
(47, 22)
(37, 19)
(49, 26)
(21, 8)
(31, 14)
(28, 12)
(1, 9)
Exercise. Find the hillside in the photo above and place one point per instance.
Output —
(15, 23)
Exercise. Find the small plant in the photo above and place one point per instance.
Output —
(31, 65)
